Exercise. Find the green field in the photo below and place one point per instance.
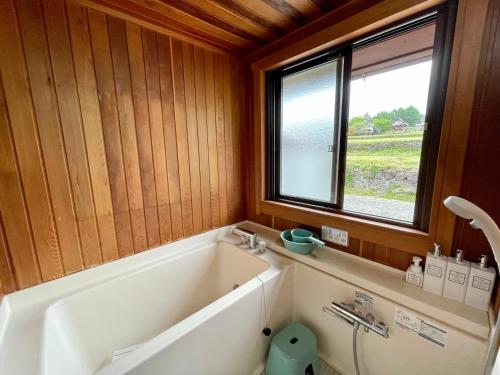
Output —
(369, 157)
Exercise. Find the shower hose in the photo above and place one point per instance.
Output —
(355, 346)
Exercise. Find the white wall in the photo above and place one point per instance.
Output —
(402, 353)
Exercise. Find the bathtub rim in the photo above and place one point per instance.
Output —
(75, 282)
(28, 306)
(185, 328)
(190, 323)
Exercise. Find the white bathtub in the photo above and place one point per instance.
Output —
(193, 307)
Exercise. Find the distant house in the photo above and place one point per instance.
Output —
(399, 125)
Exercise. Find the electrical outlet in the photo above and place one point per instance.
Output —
(335, 235)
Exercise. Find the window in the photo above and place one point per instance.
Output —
(356, 129)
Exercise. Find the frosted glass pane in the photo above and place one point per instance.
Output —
(308, 134)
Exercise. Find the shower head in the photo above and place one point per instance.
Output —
(479, 220)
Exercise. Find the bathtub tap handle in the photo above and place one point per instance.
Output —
(261, 246)
(249, 236)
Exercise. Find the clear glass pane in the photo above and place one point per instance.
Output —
(387, 106)
(308, 134)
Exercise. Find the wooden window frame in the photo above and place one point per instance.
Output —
(444, 18)
(464, 61)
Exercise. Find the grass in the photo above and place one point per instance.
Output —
(391, 158)
(378, 153)
(388, 137)
(395, 153)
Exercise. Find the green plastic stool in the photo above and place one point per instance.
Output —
(293, 352)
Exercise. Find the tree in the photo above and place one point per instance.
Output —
(383, 125)
(356, 124)
(410, 115)
(383, 121)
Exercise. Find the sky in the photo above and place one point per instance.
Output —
(308, 96)
(390, 90)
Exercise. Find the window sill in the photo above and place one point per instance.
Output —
(399, 237)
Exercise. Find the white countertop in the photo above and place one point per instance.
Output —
(383, 280)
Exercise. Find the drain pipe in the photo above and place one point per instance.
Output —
(481, 220)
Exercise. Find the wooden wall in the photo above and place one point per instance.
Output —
(113, 139)
(481, 182)
(462, 103)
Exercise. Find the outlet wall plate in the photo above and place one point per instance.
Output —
(335, 235)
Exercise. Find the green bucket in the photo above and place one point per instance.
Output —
(296, 247)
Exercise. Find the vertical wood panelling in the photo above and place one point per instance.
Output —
(182, 136)
(113, 139)
(138, 76)
(219, 123)
(27, 143)
(212, 137)
(93, 132)
(167, 98)
(239, 113)
(7, 281)
(228, 137)
(72, 128)
(13, 206)
(46, 112)
(111, 129)
(118, 42)
(192, 132)
(201, 116)
(157, 135)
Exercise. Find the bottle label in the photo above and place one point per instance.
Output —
(479, 282)
(435, 271)
(457, 277)
(414, 279)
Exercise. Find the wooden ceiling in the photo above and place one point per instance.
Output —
(240, 26)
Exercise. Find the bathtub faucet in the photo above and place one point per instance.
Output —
(247, 237)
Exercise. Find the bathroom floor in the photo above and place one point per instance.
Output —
(324, 369)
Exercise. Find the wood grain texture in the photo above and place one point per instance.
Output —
(72, 128)
(228, 136)
(167, 97)
(182, 136)
(457, 118)
(123, 86)
(157, 135)
(349, 21)
(233, 25)
(141, 110)
(27, 144)
(110, 127)
(387, 244)
(481, 181)
(16, 224)
(201, 117)
(7, 278)
(108, 139)
(93, 132)
(219, 123)
(212, 137)
(46, 112)
(192, 134)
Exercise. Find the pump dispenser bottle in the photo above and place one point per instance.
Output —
(481, 282)
(414, 274)
(457, 277)
(435, 270)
